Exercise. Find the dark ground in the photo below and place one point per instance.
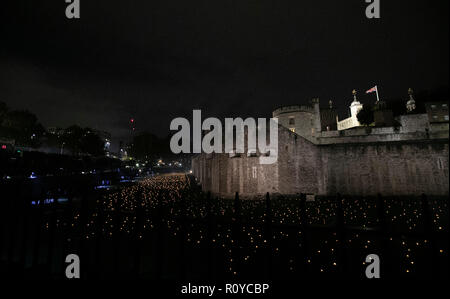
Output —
(161, 229)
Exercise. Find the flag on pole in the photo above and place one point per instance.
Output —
(372, 89)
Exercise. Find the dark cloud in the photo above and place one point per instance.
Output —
(157, 60)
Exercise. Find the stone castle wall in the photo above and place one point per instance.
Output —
(396, 168)
(390, 166)
(224, 176)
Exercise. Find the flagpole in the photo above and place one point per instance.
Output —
(376, 89)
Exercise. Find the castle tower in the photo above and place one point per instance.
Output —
(317, 121)
(411, 104)
(355, 106)
(298, 119)
(352, 121)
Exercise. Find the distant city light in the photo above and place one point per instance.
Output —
(3, 146)
(45, 201)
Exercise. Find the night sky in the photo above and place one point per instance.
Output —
(157, 60)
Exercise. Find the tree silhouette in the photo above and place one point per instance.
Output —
(365, 115)
(20, 125)
(83, 141)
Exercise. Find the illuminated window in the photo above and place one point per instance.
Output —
(446, 117)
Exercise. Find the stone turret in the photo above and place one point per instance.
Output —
(411, 104)
(317, 120)
(298, 119)
(355, 106)
(352, 121)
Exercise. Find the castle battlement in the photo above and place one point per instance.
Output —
(293, 109)
(375, 135)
